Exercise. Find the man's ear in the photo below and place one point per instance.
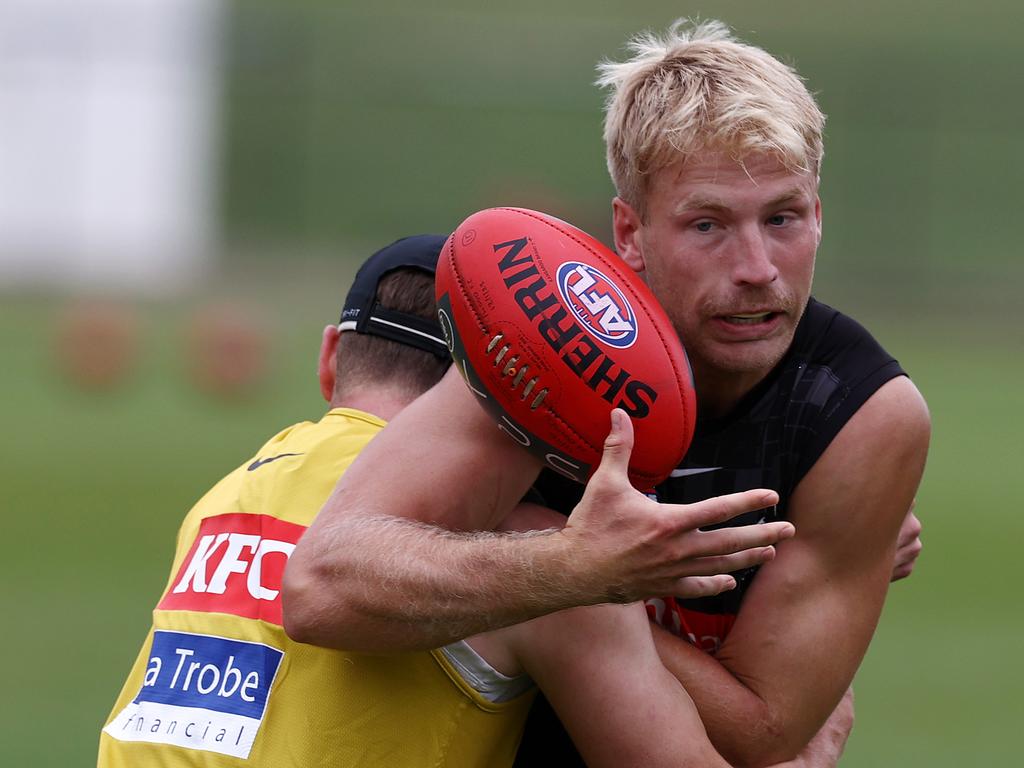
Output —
(626, 228)
(817, 215)
(327, 364)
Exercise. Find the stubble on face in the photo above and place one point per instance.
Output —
(736, 292)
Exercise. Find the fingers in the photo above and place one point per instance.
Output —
(618, 447)
(737, 561)
(908, 546)
(724, 541)
(901, 572)
(909, 530)
(722, 508)
(906, 559)
(729, 550)
(703, 586)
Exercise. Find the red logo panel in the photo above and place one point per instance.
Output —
(235, 565)
(705, 630)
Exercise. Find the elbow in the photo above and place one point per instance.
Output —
(311, 611)
(767, 742)
(297, 622)
(298, 628)
(297, 615)
(324, 603)
(775, 749)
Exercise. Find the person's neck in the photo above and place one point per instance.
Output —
(384, 404)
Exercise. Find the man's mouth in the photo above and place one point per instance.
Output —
(749, 318)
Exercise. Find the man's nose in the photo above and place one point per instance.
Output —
(754, 264)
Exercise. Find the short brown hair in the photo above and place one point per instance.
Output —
(366, 360)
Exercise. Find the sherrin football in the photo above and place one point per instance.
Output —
(552, 330)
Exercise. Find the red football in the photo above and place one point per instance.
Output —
(552, 330)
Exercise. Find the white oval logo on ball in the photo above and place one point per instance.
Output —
(597, 303)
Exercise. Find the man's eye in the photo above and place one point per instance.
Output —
(777, 220)
(704, 226)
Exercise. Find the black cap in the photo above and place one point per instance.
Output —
(364, 314)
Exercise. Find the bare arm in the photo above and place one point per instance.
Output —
(809, 616)
(827, 745)
(370, 575)
(600, 670)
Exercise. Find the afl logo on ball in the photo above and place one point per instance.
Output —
(597, 303)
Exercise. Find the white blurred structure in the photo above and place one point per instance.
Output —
(108, 131)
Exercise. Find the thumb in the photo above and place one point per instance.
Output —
(618, 447)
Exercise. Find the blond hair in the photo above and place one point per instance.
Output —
(699, 89)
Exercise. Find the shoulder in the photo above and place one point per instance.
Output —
(871, 469)
(837, 368)
(892, 424)
(892, 418)
(827, 337)
(897, 409)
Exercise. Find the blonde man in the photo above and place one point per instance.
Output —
(715, 149)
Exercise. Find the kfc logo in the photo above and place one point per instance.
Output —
(235, 566)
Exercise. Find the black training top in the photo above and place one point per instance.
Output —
(771, 439)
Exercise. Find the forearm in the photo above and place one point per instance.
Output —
(743, 727)
(377, 583)
(382, 566)
(827, 746)
(809, 616)
(617, 713)
(368, 574)
(769, 689)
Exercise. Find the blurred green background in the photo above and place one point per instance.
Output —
(344, 127)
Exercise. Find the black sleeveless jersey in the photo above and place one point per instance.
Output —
(770, 439)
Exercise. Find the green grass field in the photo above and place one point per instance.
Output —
(94, 487)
